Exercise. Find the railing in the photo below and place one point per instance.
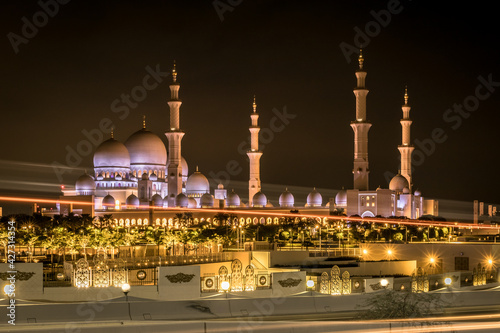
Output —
(347, 252)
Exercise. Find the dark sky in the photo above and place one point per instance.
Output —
(65, 78)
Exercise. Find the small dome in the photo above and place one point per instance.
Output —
(220, 186)
(341, 198)
(418, 193)
(145, 176)
(157, 200)
(192, 203)
(233, 200)
(314, 199)
(286, 199)
(406, 190)
(197, 183)
(132, 201)
(181, 200)
(398, 183)
(111, 153)
(153, 177)
(146, 148)
(108, 202)
(259, 200)
(85, 184)
(269, 204)
(207, 201)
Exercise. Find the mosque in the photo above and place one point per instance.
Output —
(141, 177)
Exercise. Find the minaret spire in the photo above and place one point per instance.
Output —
(144, 121)
(361, 126)
(361, 60)
(254, 155)
(112, 130)
(174, 136)
(406, 148)
(174, 73)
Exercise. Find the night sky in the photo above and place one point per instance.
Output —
(65, 78)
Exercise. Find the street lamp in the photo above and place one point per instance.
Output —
(310, 285)
(447, 281)
(225, 286)
(126, 289)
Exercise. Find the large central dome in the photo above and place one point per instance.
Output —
(146, 148)
(111, 153)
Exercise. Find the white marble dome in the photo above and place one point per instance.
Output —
(108, 202)
(111, 153)
(157, 200)
(207, 200)
(181, 200)
(146, 148)
(132, 201)
(286, 199)
(418, 193)
(341, 198)
(398, 183)
(314, 199)
(197, 183)
(85, 184)
(233, 199)
(259, 200)
(406, 190)
(192, 203)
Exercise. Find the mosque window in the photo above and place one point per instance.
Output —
(133, 221)
(362, 201)
(269, 220)
(145, 221)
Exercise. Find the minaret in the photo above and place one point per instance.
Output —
(406, 148)
(174, 136)
(254, 155)
(360, 127)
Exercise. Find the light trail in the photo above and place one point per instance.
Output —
(273, 212)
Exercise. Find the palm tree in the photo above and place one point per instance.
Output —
(4, 241)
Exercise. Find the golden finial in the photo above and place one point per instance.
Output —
(144, 121)
(406, 95)
(361, 59)
(174, 73)
(112, 129)
(197, 169)
(254, 105)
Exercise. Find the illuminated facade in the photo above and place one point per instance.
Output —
(398, 199)
(136, 176)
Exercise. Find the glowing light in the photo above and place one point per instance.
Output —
(432, 260)
(447, 281)
(125, 287)
(384, 283)
(365, 251)
(310, 283)
(7, 289)
(490, 261)
(225, 285)
(389, 252)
